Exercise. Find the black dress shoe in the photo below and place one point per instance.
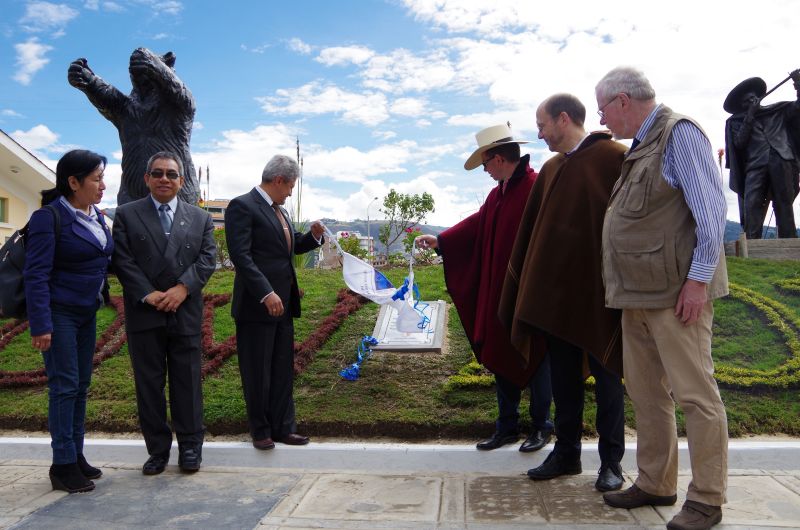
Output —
(264, 444)
(189, 458)
(538, 439)
(155, 464)
(609, 477)
(554, 466)
(294, 439)
(68, 477)
(88, 471)
(497, 440)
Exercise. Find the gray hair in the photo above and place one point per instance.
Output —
(165, 155)
(280, 165)
(626, 80)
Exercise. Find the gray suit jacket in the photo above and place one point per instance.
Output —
(145, 260)
(257, 247)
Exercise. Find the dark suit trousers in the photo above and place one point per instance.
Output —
(154, 354)
(566, 370)
(266, 364)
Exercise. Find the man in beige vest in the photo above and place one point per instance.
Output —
(663, 265)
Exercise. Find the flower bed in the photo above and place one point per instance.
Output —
(214, 353)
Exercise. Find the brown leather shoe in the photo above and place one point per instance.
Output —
(294, 439)
(264, 444)
(696, 516)
(634, 497)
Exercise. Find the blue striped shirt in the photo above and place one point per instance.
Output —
(689, 166)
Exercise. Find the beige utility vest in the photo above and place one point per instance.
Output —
(649, 233)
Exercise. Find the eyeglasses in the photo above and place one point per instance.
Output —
(486, 162)
(159, 174)
(600, 110)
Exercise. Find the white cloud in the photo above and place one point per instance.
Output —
(30, 59)
(198, 126)
(160, 36)
(236, 160)
(403, 71)
(409, 107)
(166, 7)
(341, 55)
(369, 108)
(257, 49)
(383, 135)
(113, 7)
(299, 46)
(92, 5)
(40, 141)
(10, 113)
(47, 17)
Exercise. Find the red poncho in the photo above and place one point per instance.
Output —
(476, 253)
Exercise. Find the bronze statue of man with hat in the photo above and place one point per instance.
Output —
(763, 154)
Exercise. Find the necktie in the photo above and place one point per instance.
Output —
(634, 143)
(284, 224)
(166, 223)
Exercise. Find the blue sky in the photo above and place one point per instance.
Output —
(381, 93)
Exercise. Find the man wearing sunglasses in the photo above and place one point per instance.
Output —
(164, 255)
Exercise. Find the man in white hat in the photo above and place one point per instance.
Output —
(476, 253)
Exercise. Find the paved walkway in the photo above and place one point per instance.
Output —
(368, 486)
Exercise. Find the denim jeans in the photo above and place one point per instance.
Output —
(509, 395)
(68, 363)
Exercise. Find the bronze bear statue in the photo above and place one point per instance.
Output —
(156, 116)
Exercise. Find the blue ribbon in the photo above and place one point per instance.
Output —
(420, 307)
(364, 352)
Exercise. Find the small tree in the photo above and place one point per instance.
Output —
(403, 211)
(223, 256)
(423, 256)
(350, 244)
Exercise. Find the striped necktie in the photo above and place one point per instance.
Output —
(166, 222)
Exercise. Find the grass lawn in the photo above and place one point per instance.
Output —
(406, 395)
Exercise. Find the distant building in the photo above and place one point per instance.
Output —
(367, 243)
(22, 178)
(216, 208)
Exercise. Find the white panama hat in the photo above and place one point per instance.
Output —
(488, 138)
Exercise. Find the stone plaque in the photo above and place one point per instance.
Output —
(430, 339)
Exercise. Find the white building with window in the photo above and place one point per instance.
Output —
(22, 178)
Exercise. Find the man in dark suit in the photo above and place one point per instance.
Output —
(165, 254)
(261, 241)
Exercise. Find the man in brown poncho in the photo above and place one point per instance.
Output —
(557, 258)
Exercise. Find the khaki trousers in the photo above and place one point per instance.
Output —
(663, 359)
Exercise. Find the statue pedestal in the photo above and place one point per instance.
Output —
(776, 249)
(429, 340)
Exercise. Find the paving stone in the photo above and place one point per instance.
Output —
(792, 482)
(128, 499)
(22, 498)
(574, 499)
(453, 507)
(11, 474)
(8, 522)
(372, 498)
(504, 499)
(761, 501)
